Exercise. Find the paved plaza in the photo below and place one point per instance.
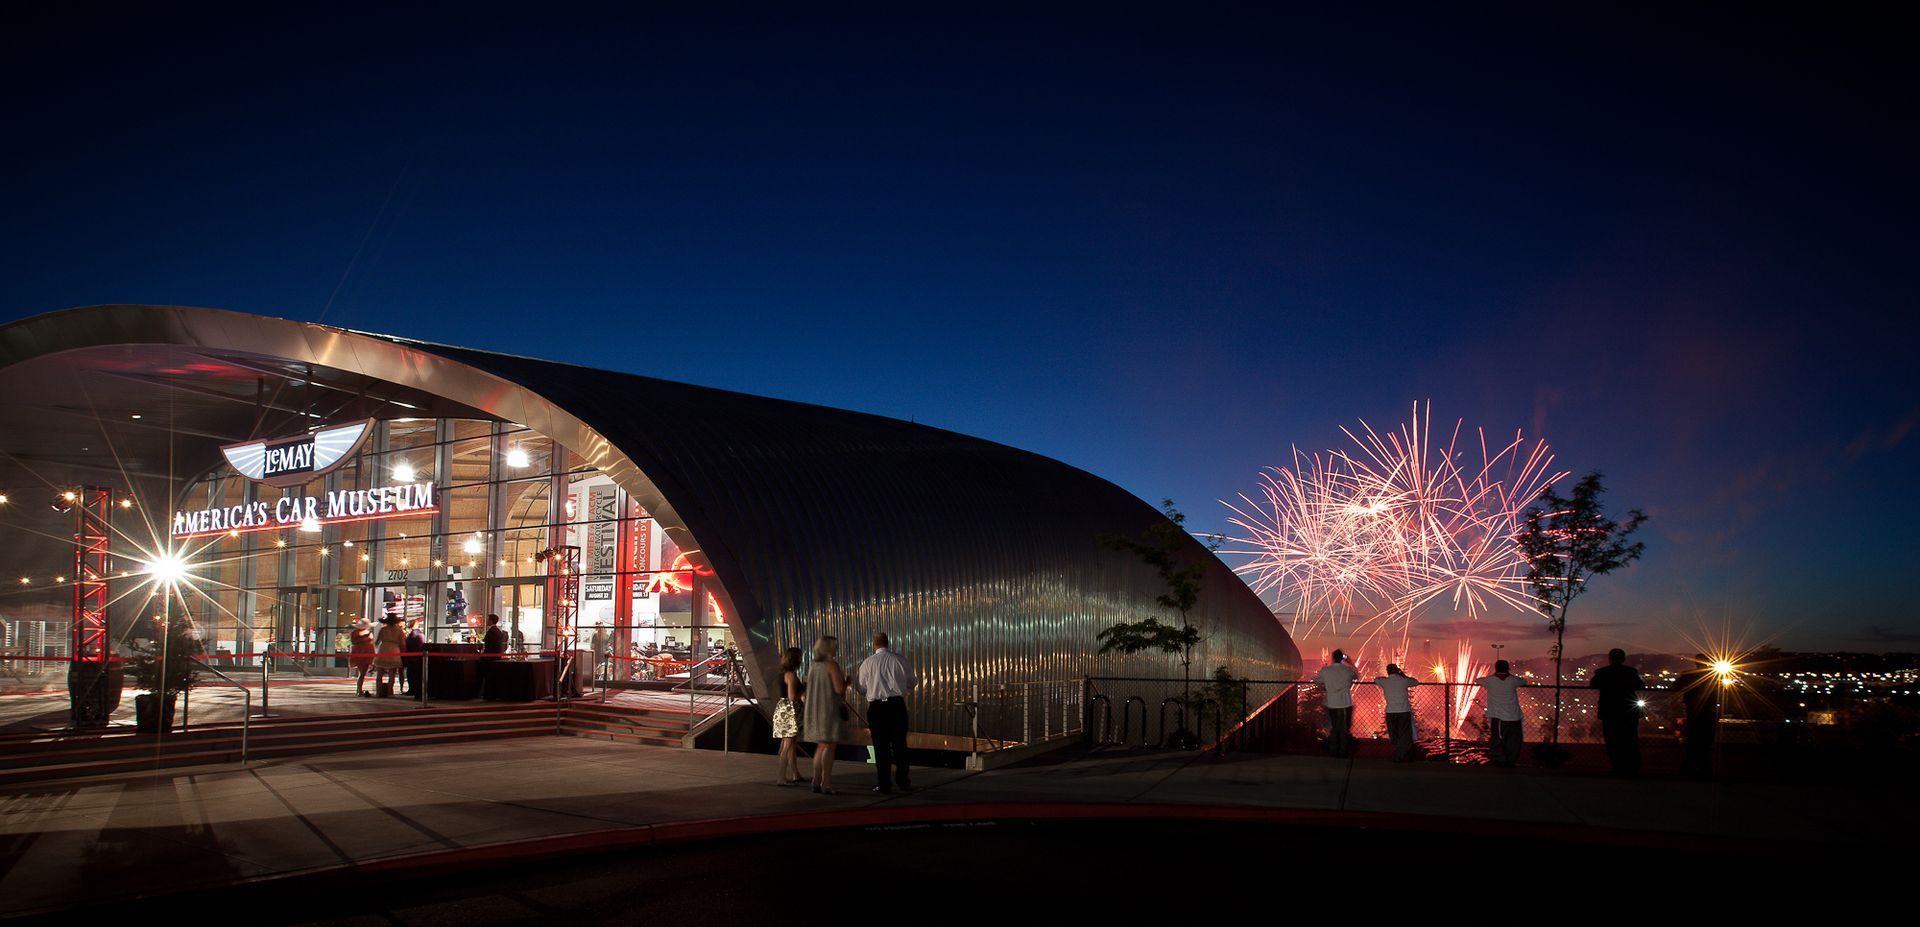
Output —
(112, 838)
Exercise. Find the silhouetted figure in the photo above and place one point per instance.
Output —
(1336, 682)
(1700, 692)
(1504, 718)
(1395, 685)
(416, 643)
(1620, 686)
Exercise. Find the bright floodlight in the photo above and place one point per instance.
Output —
(517, 457)
(167, 569)
(1723, 667)
(403, 472)
(310, 525)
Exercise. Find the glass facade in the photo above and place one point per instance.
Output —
(522, 528)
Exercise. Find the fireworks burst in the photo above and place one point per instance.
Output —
(1394, 526)
(1464, 671)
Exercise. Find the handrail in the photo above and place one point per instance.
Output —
(246, 713)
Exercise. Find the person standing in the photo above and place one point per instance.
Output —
(786, 716)
(416, 648)
(1336, 684)
(391, 640)
(825, 720)
(1395, 685)
(493, 644)
(362, 655)
(1503, 714)
(886, 678)
(1620, 686)
(1700, 693)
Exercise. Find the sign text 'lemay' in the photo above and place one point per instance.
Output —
(296, 461)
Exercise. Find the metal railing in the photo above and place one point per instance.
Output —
(1449, 718)
(246, 712)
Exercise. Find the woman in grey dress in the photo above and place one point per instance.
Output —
(825, 721)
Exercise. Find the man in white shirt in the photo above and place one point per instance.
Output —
(1336, 683)
(1399, 710)
(1503, 714)
(885, 679)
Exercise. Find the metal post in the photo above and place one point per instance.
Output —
(265, 678)
(426, 676)
(1447, 723)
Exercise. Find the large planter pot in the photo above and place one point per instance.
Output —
(150, 715)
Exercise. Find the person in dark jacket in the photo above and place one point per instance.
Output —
(416, 642)
(1620, 686)
(1700, 692)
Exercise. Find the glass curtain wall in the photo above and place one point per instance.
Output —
(522, 528)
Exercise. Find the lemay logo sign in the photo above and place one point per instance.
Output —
(295, 461)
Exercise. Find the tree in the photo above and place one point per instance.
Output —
(1566, 542)
(1163, 546)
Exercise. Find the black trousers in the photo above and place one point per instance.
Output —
(1623, 742)
(887, 719)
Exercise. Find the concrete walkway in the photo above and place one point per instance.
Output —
(98, 840)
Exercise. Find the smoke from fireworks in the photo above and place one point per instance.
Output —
(1393, 527)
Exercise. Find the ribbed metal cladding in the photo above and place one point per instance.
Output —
(981, 561)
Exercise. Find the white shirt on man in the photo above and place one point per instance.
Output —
(885, 675)
(1503, 696)
(1395, 685)
(1336, 680)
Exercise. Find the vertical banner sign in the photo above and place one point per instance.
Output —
(603, 544)
(642, 548)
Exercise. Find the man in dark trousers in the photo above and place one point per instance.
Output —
(1620, 686)
(886, 679)
(493, 646)
(1700, 692)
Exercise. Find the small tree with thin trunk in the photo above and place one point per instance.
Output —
(1567, 541)
(1162, 547)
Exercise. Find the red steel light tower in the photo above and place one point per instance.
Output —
(93, 685)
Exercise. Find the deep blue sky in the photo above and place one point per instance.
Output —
(1164, 250)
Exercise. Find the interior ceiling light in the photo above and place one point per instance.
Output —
(403, 472)
(517, 457)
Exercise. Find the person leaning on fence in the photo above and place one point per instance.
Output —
(1504, 718)
(1336, 684)
(1394, 686)
(1620, 686)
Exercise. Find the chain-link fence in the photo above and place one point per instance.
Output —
(1290, 715)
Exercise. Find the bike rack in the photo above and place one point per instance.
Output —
(1174, 701)
(1126, 719)
(1106, 719)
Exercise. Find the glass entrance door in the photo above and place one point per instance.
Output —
(522, 612)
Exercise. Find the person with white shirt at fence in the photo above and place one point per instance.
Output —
(1336, 684)
(1395, 685)
(1504, 718)
(885, 679)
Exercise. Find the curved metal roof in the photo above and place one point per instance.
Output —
(980, 560)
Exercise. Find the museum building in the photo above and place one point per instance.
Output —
(312, 476)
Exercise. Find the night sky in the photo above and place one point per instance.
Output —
(1166, 250)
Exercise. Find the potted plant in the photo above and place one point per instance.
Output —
(162, 668)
